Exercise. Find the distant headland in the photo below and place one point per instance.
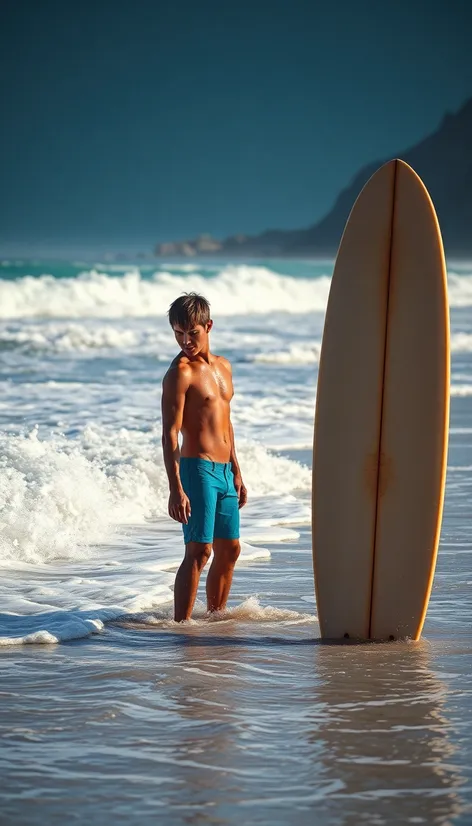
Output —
(444, 162)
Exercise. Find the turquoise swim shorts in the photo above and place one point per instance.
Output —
(213, 500)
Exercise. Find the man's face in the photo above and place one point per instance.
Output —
(193, 340)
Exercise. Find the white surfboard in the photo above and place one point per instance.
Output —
(382, 411)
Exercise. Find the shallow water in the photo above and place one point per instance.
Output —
(248, 718)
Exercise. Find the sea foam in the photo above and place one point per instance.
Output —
(59, 496)
(234, 289)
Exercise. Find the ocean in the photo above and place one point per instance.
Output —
(110, 709)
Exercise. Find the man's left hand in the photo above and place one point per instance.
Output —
(240, 490)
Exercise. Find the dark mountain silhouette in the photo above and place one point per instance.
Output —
(444, 162)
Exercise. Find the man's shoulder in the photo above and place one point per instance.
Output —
(178, 369)
(224, 362)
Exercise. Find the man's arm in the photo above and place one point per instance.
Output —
(233, 458)
(174, 387)
(238, 482)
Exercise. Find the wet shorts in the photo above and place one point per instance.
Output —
(213, 500)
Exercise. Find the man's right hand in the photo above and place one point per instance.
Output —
(179, 506)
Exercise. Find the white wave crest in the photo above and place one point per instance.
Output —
(235, 290)
(461, 390)
(59, 337)
(88, 336)
(460, 290)
(58, 497)
(295, 354)
(461, 343)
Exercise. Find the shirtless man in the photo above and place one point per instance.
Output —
(206, 489)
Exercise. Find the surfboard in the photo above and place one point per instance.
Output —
(382, 413)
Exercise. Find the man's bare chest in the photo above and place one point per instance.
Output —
(212, 387)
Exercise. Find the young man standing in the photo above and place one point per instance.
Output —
(206, 489)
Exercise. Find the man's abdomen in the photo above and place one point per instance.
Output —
(207, 437)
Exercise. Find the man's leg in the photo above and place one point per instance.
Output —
(196, 556)
(220, 575)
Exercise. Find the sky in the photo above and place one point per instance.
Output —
(127, 122)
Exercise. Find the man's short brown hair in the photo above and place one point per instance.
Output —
(188, 310)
